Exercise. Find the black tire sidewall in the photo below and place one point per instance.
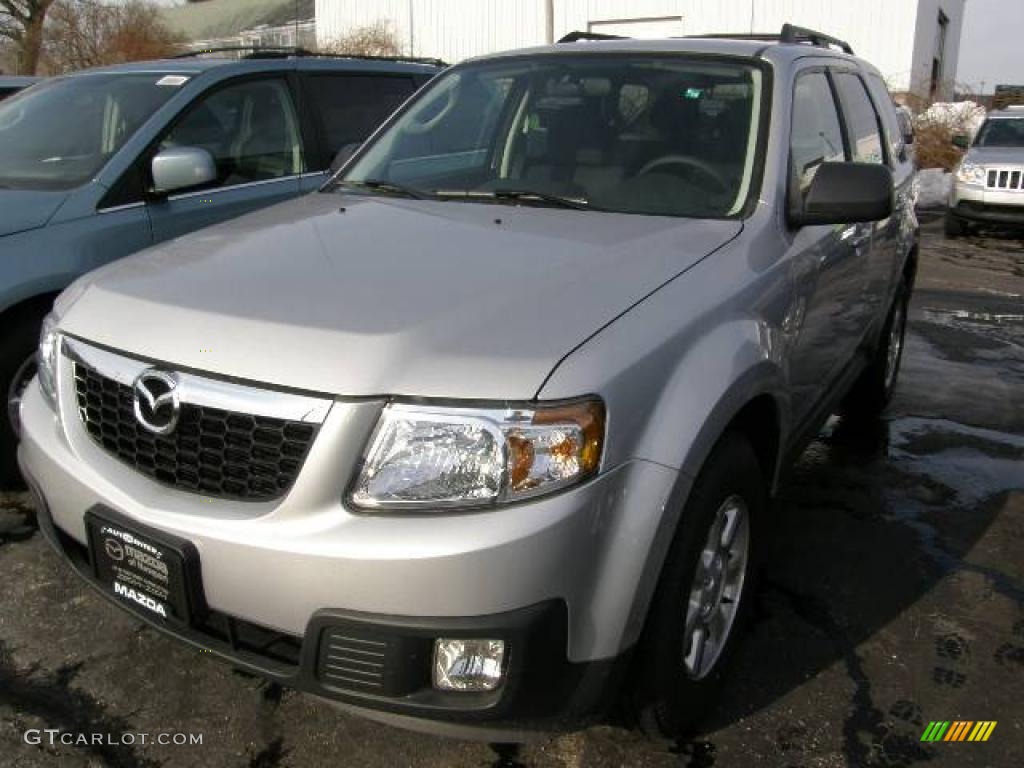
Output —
(15, 349)
(669, 702)
(871, 393)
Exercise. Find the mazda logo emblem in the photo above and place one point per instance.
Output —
(114, 549)
(156, 401)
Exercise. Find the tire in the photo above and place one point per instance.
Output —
(876, 385)
(17, 366)
(672, 688)
(954, 226)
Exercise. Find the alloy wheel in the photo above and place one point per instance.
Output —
(717, 587)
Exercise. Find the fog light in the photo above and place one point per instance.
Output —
(467, 664)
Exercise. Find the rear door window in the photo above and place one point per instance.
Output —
(887, 111)
(861, 119)
(350, 107)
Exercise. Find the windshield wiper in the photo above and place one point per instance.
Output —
(388, 187)
(576, 203)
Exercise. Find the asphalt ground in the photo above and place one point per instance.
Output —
(893, 596)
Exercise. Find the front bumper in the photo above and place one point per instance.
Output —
(987, 206)
(563, 580)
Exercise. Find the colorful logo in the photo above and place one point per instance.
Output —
(959, 730)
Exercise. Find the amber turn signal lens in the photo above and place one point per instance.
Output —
(589, 417)
(561, 445)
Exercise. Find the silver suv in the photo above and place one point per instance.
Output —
(988, 184)
(483, 433)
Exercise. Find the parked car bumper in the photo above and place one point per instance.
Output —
(279, 586)
(987, 206)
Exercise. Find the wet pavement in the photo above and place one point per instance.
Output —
(893, 596)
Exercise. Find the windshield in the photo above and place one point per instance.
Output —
(58, 134)
(1001, 132)
(656, 135)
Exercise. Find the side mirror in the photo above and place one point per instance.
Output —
(846, 193)
(343, 156)
(182, 167)
(908, 136)
(960, 140)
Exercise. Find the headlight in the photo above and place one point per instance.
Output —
(969, 173)
(438, 457)
(46, 358)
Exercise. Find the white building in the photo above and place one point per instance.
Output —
(915, 43)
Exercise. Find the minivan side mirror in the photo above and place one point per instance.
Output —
(846, 193)
(343, 156)
(181, 168)
(960, 140)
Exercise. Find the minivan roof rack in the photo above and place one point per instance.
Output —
(575, 37)
(276, 52)
(790, 34)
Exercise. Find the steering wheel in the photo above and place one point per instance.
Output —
(708, 171)
(417, 127)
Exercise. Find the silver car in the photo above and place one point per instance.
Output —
(481, 436)
(988, 183)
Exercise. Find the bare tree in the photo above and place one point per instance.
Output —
(21, 22)
(89, 33)
(376, 39)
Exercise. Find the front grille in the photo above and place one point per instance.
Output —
(218, 453)
(1006, 179)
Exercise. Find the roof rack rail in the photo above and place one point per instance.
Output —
(794, 34)
(575, 37)
(255, 51)
(275, 52)
(790, 34)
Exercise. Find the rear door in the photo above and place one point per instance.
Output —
(868, 145)
(346, 107)
(902, 225)
(251, 128)
(828, 262)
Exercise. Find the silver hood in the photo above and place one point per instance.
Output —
(361, 296)
(995, 155)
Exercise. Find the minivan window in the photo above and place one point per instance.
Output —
(861, 119)
(250, 128)
(60, 133)
(816, 136)
(350, 107)
(644, 134)
(1001, 132)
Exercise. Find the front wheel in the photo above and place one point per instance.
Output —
(704, 596)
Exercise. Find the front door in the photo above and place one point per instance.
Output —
(828, 263)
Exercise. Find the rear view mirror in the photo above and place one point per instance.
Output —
(343, 156)
(845, 193)
(960, 140)
(182, 168)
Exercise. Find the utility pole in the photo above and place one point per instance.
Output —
(412, 34)
(549, 21)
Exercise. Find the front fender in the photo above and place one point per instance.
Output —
(674, 372)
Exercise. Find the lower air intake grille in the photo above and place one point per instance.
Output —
(356, 660)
